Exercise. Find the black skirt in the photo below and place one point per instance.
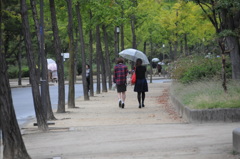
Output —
(121, 88)
(141, 85)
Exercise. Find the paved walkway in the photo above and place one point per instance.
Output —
(99, 129)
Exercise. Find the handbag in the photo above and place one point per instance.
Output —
(133, 78)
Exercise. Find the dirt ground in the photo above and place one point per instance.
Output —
(102, 109)
(98, 128)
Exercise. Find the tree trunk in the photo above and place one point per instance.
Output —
(170, 50)
(59, 59)
(71, 88)
(222, 46)
(175, 52)
(41, 120)
(97, 60)
(151, 49)
(122, 30)
(185, 45)
(133, 24)
(90, 57)
(231, 22)
(116, 42)
(37, 28)
(14, 146)
(122, 38)
(40, 37)
(233, 46)
(102, 61)
(76, 52)
(134, 38)
(145, 51)
(84, 78)
(108, 63)
(20, 66)
(45, 96)
(181, 48)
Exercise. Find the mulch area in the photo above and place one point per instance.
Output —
(167, 106)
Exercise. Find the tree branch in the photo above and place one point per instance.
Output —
(213, 20)
(14, 49)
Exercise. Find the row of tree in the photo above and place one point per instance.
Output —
(87, 29)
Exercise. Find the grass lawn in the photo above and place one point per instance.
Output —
(208, 94)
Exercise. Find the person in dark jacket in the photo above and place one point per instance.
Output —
(120, 78)
(88, 76)
(141, 85)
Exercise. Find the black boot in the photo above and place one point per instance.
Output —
(139, 106)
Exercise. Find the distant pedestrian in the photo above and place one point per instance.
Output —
(154, 68)
(159, 67)
(54, 76)
(88, 76)
(141, 85)
(120, 78)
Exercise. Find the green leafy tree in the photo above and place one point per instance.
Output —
(224, 16)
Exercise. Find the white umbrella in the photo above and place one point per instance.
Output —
(161, 63)
(52, 66)
(155, 59)
(50, 61)
(133, 55)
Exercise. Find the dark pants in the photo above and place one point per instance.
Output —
(88, 83)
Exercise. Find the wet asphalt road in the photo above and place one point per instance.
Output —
(23, 100)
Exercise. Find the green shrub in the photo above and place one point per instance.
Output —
(195, 68)
(25, 71)
(13, 72)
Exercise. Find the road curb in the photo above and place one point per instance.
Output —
(206, 115)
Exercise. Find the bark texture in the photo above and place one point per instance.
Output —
(84, 79)
(13, 145)
(71, 77)
(59, 59)
(90, 56)
(41, 120)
